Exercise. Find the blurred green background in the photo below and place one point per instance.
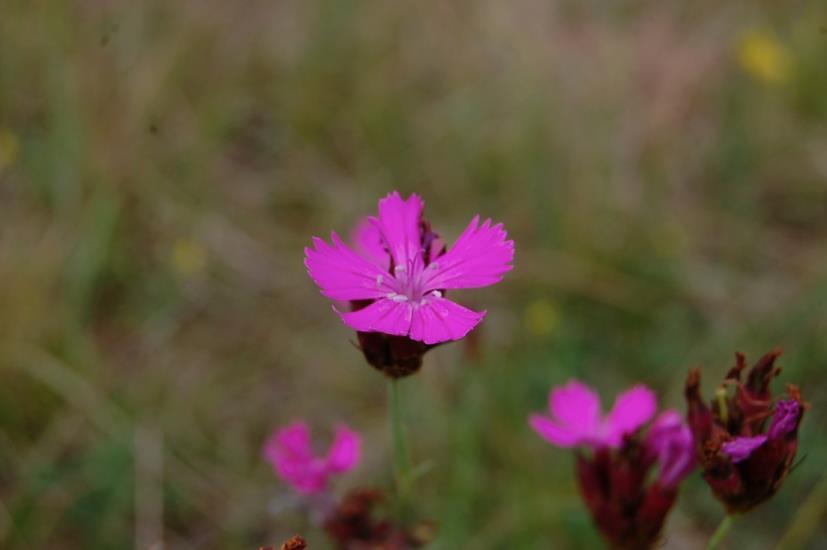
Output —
(662, 167)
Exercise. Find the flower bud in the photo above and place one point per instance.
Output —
(744, 461)
(627, 502)
(360, 521)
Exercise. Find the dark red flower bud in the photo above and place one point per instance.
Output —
(395, 356)
(360, 522)
(613, 483)
(745, 443)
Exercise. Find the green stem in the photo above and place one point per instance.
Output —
(720, 533)
(401, 460)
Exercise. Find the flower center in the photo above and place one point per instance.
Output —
(410, 283)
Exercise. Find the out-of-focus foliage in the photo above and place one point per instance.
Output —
(662, 169)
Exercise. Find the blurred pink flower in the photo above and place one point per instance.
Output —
(290, 452)
(576, 417)
(400, 270)
(627, 502)
(670, 442)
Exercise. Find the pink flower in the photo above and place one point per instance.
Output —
(290, 452)
(576, 417)
(400, 271)
(671, 443)
(627, 503)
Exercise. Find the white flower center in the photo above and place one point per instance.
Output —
(410, 286)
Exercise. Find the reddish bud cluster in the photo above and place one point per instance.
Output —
(359, 523)
(613, 483)
(745, 443)
(294, 543)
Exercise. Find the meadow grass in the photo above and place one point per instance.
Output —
(163, 164)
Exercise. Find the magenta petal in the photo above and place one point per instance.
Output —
(368, 243)
(341, 274)
(293, 440)
(631, 410)
(784, 419)
(290, 453)
(741, 448)
(383, 315)
(399, 224)
(670, 441)
(553, 433)
(479, 257)
(344, 451)
(576, 407)
(440, 320)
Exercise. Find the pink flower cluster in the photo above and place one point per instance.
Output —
(630, 460)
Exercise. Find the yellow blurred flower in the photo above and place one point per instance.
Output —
(9, 148)
(188, 257)
(763, 56)
(541, 318)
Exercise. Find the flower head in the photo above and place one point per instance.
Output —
(576, 418)
(763, 56)
(290, 452)
(744, 461)
(397, 275)
(628, 504)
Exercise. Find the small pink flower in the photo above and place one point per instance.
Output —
(401, 270)
(628, 503)
(670, 441)
(576, 417)
(290, 452)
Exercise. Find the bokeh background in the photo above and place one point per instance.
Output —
(662, 167)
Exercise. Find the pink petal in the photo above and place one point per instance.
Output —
(399, 224)
(631, 410)
(290, 453)
(670, 441)
(440, 320)
(479, 257)
(341, 274)
(383, 315)
(553, 433)
(785, 419)
(344, 451)
(293, 441)
(368, 243)
(741, 448)
(576, 407)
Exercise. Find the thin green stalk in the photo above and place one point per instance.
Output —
(720, 533)
(401, 458)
